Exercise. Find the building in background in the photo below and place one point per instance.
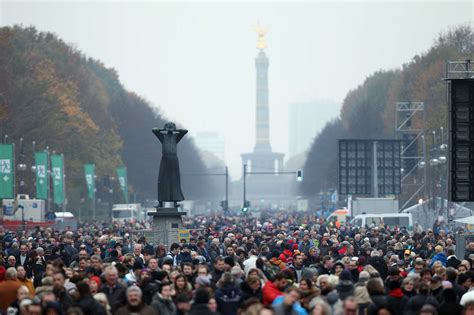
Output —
(211, 142)
(305, 121)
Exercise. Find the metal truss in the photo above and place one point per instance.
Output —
(405, 114)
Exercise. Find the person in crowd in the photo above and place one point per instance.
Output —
(227, 295)
(275, 288)
(288, 303)
(251, 288)
(86, 302)
(135, 304)
(8, 289)
(201, 303)
(114, 291)
(162, 301)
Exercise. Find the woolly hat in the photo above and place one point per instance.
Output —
(345, 275)
(364, 276)
(96, 280)
(203, 281)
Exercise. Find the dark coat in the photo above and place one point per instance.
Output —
(200, 309)
(397, 304)
(450, 309)
(228, 299)
(377, 301)
(247, 293)
(142, 310)
(379, 264)
(64, 299)
(163, 306)
(415, 303)
(115, 296)
(453, 262)
(89, 305)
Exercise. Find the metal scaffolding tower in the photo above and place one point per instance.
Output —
(410, 128)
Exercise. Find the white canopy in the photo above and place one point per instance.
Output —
(466, 220)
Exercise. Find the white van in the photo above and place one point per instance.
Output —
(126, 212)
(387, 219)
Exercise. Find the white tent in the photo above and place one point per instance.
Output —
(466, 220)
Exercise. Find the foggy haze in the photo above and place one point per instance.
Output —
(195, 61)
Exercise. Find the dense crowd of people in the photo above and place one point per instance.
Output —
(281, 264)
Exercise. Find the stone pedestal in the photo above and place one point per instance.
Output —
(166, 223)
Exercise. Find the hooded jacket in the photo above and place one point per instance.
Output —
(228, 298)
(439, 257)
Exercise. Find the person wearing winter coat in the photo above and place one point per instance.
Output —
(227, 295)
(378, 263)
(273, 289)
(86, 302)
(450, 305)
(135, 304)
(288, 303)
(439, 256)
(416, 302)
(362, 298)
(345, 287)
(162, 301)
(200, 305)
(251, 288)
(396, 300)
(376, 292)
(114, 291)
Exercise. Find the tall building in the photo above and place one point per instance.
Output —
(305, 120)
(262, 159)
(210, 141)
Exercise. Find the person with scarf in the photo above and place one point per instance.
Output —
(162, 301)
(396, 300)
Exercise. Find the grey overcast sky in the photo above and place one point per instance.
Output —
(195, 60)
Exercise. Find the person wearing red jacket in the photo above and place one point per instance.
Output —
(275, 288)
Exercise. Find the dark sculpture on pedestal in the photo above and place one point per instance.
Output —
(169, 182)
(167, 219)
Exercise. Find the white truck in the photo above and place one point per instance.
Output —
(129, 212)
(374, 206)
(31, 209)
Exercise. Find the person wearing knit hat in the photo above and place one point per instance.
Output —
(202, 281)
(94, 284)
(396, 300)
(338, 268)
(364, 277)
(345, 287)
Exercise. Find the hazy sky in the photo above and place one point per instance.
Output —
(195, 60)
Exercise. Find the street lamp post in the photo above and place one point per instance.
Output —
(21, 169)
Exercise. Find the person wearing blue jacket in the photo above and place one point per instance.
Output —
(439, 256)
(288, 303)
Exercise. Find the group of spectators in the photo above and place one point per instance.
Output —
(282, 264)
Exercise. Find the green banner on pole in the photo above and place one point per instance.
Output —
(89, 171)
(7, 171)
(122, 177)
(57, 171)
(42, 179)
